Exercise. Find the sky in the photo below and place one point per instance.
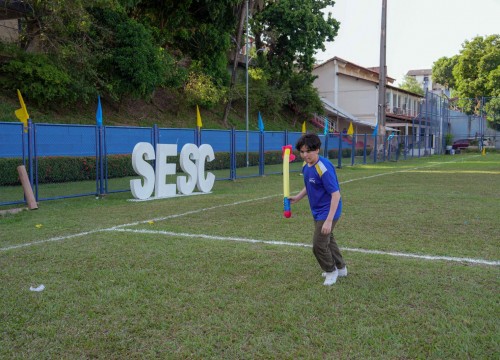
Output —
(419, 32)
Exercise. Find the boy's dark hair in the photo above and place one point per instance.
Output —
(312, 142)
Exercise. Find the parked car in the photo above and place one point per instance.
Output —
(461, 144)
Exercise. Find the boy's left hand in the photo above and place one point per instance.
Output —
(326, 228)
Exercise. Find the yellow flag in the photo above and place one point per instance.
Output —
(350, 131)
(484, 151)
(22, 113)
(198, 117)
(304, 127)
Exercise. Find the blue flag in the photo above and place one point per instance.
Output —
(375, 131)
(325, 130)
(98, 114)
(261, 123)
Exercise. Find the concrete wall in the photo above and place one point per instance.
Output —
(9, 31)
(325, 81)
(358, 97)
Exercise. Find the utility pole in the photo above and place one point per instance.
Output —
(247, 50)
(382, 72)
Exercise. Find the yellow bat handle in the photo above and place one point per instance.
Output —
(286, 173)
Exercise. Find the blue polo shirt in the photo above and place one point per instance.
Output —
(321, 181)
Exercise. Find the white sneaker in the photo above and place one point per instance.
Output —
(331, 278)
(343, 271)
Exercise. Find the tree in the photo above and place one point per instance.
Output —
(476, 65)
(241, 11)
(118, 48)
(292, 31)
(442, 71)
(475, 76)
(134, 64)
(411, 84)
(200, 30)
(74, 50)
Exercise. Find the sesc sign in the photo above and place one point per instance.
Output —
(192, 161)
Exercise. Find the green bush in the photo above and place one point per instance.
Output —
(132, 63)
(201, 90)
(8, 171)
(333, 154)
(58, 169)
(38, 77)
(119, 166)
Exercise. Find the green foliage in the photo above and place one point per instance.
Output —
(38, 77)
(59, 169)
(448, 139)
(82, 51)
(292, 31)
(59, 29)
(131, 47)
(262, 96)
(201, 90)
(442, 71)
(492, 109)
(346, 153)
(478, 59)
(133, 64)
(8, 171)
(210, 51)
(411, 84)
(475, 76)
(200, 30)
(304, 96)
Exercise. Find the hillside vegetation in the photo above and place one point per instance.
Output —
(165, 109)
(153, 62)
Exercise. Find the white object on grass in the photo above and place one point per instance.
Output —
(38, 288)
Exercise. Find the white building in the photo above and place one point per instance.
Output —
(350, 95)
(424, 78)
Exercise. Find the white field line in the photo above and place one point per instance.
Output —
(118, 227)
(61, 238)
(57, 238)
(189, 212)
(274, 242)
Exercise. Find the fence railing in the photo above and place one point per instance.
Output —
(80, 160)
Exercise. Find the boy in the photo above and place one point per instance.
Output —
(323, 191)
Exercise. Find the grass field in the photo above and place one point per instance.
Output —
(224, 275)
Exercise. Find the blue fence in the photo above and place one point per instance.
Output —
(39, 141)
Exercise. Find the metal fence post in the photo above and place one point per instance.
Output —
(339, 155)
(102, 155)
(353, 149)
(261, 153)
(97, 168)
(232, 155)
(32, 160)
(364, 149)
(325, 149)
(197, 136)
